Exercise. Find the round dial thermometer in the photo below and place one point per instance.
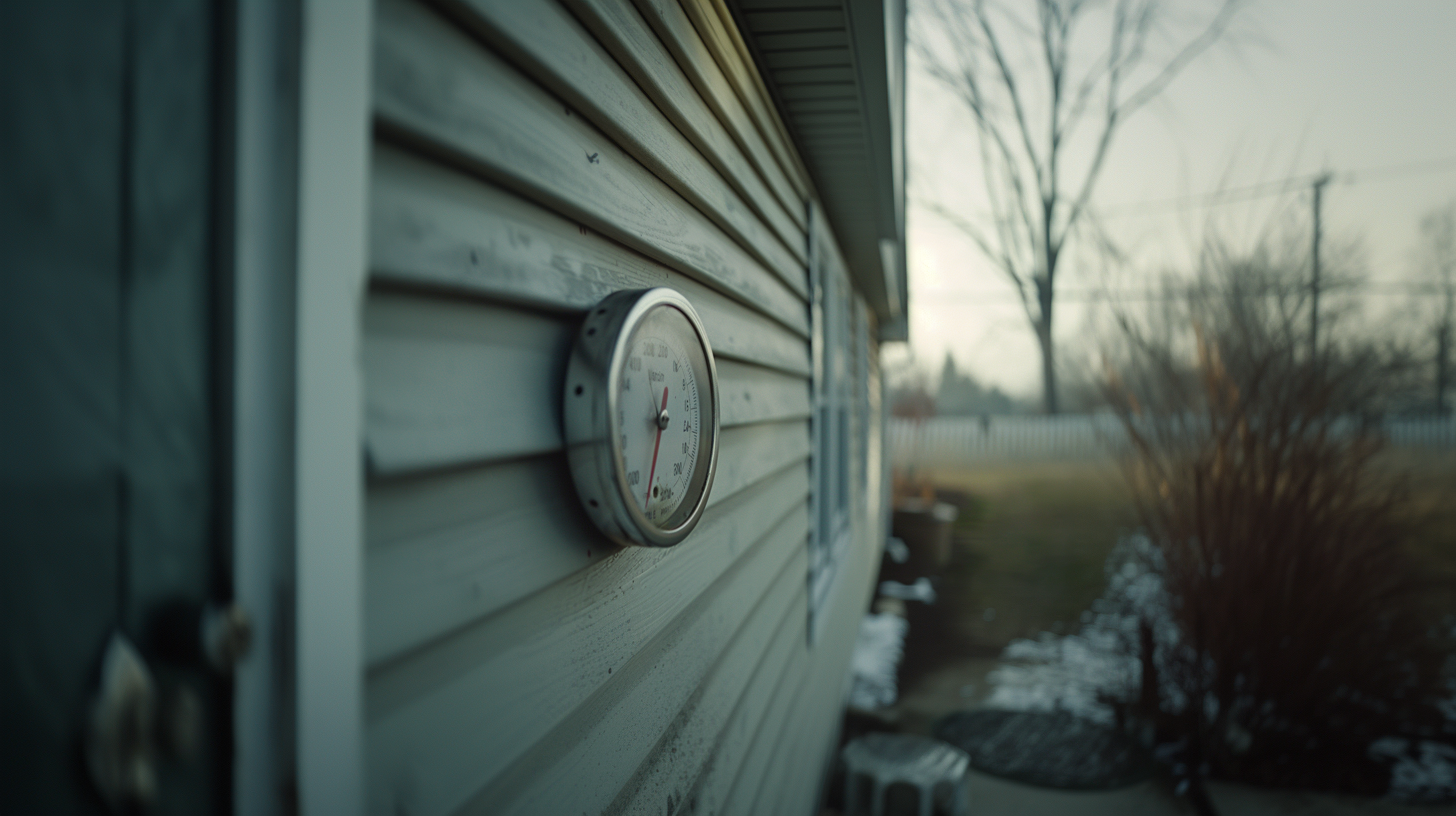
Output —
(642, 417)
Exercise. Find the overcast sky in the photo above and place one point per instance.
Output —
(1302, 86)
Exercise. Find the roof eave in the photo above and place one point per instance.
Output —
(856, 155)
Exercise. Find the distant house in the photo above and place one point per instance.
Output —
(288, 292)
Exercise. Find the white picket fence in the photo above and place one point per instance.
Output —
(953, 440)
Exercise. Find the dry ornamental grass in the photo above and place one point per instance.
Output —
(1305, 630)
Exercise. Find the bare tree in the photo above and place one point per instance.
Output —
(1046, 114)
(1438, 256)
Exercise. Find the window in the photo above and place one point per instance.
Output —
(838, 379)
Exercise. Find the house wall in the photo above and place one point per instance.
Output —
(528, 159)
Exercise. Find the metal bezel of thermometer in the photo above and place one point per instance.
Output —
(661, 331)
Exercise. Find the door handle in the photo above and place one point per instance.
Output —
(120, 734)
(130, 721)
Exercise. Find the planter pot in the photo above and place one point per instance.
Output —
(925, 527)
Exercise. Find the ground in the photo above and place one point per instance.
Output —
(1432, 514)
(1027, 557)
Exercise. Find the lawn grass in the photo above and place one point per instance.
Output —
(1032, 539)
(1431, 514)
(1029, 546)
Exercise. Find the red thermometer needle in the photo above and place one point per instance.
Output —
(655, 446)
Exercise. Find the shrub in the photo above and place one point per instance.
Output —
(1304, 631)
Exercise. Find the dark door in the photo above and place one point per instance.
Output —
(110, 498)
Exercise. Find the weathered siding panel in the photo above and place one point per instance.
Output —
(434, 369)
(721, 78)
(528, 161)
(714, 25)
(435, 228)
(603, 747)
(559, 53)
(625, 33)
(445, 550)
(434, 85)
(492, 707)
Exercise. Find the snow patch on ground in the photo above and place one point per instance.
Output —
(877, 652)
(1422, 771)
(1078, 672)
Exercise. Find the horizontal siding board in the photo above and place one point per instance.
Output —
(775, 777)
(749, 452)
(732, 523)
(793, 783)
(715, 17)
(436, 87)
(517, 661)
(444, 724)
(558, 52)
(743, 750)
(605, 753)
(692, 55)
(752, 394)
(450, 383)
(445, 550)
(448, 548)
(721, 82)
(621, 28)
(764, 752)
(435, 228)
(459, 383)
(676, 32)
(734, 695)
(804, 784)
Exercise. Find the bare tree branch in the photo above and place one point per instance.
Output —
(1014, 73)
(1173, 67)
(1008, 80)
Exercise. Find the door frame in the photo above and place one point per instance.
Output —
(263, 231)
(301, 166)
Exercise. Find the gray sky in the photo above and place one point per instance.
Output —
(1303, 85)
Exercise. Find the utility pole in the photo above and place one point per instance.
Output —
(1314, 286)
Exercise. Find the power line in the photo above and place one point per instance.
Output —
(1235, 195)
(1379, 289)
(1409, 168)
(1290, 184)
(1265, 189)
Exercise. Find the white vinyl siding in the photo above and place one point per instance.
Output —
(531, 157)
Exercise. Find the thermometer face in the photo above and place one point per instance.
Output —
(641, 417)
(659, 413)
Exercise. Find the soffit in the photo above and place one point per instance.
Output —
(836, 71)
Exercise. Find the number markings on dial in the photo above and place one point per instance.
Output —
(669, 463)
